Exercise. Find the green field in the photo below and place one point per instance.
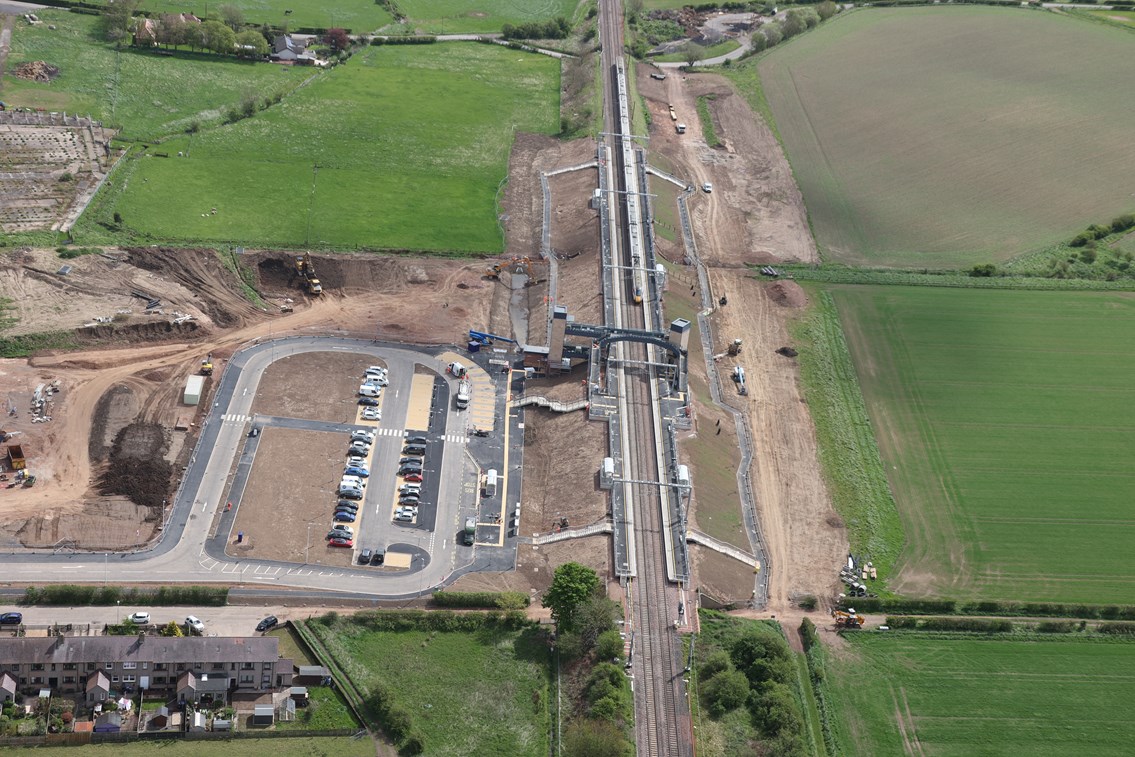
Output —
(474, 16)
(966, 697)
(148, 95)
(404, 147)
(1005, 422)
(482, 693)
(1123, 17)
(336, 746)
(949, 136)
(360, 16)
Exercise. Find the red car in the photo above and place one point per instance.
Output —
(340, 541)
(413, 478)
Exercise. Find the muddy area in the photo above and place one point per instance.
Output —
(137, 469)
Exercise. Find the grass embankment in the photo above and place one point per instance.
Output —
(704, 53)
(960, 694)
(970, 178)
(402, 148)
(706, 119)
(849, 454)
(1005, 421)
(360, 16)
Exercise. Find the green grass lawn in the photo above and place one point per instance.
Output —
(359, 16)
(326, 711)
(1005, 421)
(721, 48)
(483, 693)
(404, 147)
(473, 16)
(335, 746)
(951, 136)
(960, 697)
(1123, 17)
(148, 95)
(290, 647)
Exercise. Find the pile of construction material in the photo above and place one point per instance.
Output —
(36, 70)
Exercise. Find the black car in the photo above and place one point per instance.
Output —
(270, 622)
(347, 503)
(379, 557)
(347, 507)
(11, 619)
(364, 557)
(368, 401)
(414, 449)
(410, 469)
(418, 440)
(254, 432)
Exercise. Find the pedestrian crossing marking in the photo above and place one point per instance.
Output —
(236, 418)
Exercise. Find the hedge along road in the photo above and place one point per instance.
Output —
(185, 553)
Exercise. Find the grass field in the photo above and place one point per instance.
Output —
(1123, 17)
(148, 95)
(950, 136)
(483, 693)
(360, 16)
(336, 746)
(1005, 421)
(963, 697)
(721, 48)
(404, 147)
(473, 16)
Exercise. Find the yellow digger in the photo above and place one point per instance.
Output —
(848, 619)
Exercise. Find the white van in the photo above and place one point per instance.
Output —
(370, 390)
(491, 482)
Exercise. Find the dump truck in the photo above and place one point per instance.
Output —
(469, 535)
(305, 269)
(464, 393)
(16, 457)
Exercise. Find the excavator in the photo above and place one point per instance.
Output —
(734, 347)
(848, 619)
(207, 366)
(305, 269)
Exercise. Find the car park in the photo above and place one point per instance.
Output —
(412, 477)
(372, 414)
(368, 401)
(140, 618)
(357, 470)
(359, 435)
(342, 541)
(268, 623)
(345, 516)
(364, 556)
(194, 624)
(11, 619)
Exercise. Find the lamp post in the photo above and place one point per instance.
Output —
(307, 544)
(118, 611)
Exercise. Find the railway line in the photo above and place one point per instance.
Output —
(662, 716)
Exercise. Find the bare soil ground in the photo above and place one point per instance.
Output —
(283, 497)
(536, 564)
(756, 212)
(720, 576)
(319, 386)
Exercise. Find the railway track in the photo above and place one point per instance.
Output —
(662, 716)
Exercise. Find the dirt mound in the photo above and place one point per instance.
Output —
(37, 70)
(137, 468)
(787, 352)
(787, 294)
(201, 271)
(109, 332)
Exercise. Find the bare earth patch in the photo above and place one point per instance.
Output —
(313, 385)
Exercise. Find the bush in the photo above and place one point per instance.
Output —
(609, 646)
(1056, 626)
(557, 28)
(966, 624)
(1126, 629)
(725, 692)
(68, 594)
(716, 663)
(504, 600)
(984, 270)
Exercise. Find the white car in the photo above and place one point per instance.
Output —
(376, 369)
(373, 380)
(372, 414)
(707, 187)
(403, 516)
(361, 435)
(370, 390)
(140, 618)
(194, 623)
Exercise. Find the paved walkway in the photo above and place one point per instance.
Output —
(697, 537)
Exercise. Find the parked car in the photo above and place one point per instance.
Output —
(410, 489)
(415, 440)
(376, 369)
(407, 469)
(368, 401)
(341, 541)
(340, 529)
(410, 461)
(348, 492)
(357, 470)
(359, 435)
(379, 557)
(370, 390)
(194, 624)
(707, 187)
(11, 619)
(345, 516)
(364, 556)
(372, 414)
(403, 517)
(254, 432)
(356, 459)
(270, 622)
(414, 449)
(140, 618)
(346, 504)
(412, 477)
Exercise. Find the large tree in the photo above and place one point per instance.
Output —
(572, 585)
(219, 38)
(338, 39)
(115, 21)
(251, 44)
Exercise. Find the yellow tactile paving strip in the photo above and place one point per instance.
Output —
(418, 408)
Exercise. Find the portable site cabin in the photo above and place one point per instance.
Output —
(491, 483)
(194, 387)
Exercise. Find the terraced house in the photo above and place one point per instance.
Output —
(186, 668)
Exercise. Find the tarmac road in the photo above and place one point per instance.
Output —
(186, 553)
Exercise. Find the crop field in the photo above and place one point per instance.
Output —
(359, 16)
(466, 693)
(404, 147)
(1004, 421)
(473, 16)
(915, 694)
(951, 136)
(147, 95)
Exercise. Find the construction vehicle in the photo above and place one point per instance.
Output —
(739, 379)
(848, 619)
(305, 269)
(487, 339)
(734, 348)
(680, 128)
(207, 366)
(16, 457)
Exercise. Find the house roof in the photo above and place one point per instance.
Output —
(285, 42)
(204, 682)
(108, 718)
(99, 680)
(313, 670)
(80, 649)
